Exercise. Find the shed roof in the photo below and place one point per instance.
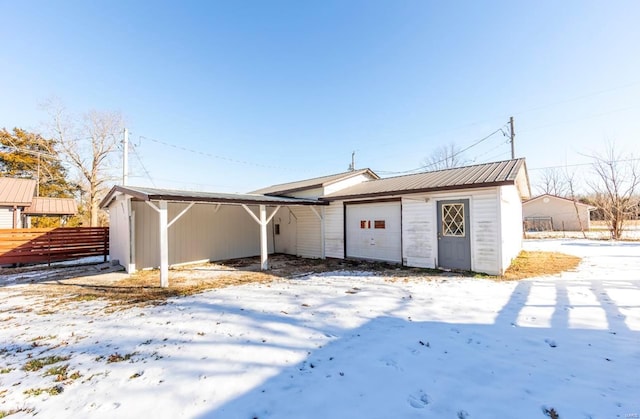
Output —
(559, 198)
(153, 194)
(313, 183)
(51, 206)
(18, 192)
(476, 176)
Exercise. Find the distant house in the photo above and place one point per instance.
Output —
(18, 203)
(550, 212)
(467, 218)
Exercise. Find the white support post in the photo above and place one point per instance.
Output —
(263, 221)
(164, 244)
(264, 251)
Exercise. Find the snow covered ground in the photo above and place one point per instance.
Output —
(342, 345)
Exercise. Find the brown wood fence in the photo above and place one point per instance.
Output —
(46, 245)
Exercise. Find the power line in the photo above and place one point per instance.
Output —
(581, 164)
(135, 152)
(215, 156)
(475, 143)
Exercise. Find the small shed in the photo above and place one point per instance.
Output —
(551, 212)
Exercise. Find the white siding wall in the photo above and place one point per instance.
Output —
(200, 234)
(119, 232)
(419, 232)
(485, 231)
(511, 224)
(334, 230)
(309, 234)
(335, 187)
(6, 217)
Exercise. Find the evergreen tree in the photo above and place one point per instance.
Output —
(28, 155)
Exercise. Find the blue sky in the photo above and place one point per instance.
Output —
(273, 91)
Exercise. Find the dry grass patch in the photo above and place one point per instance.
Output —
(531, 264)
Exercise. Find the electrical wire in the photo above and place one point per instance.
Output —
(135, 152)
(422, 168)
(215, 156)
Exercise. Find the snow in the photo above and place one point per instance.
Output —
(346, 345)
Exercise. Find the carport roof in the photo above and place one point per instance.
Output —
(153, 194)
(506, 172)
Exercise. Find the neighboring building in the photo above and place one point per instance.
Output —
(550, 212)
(467, 218)
(18, 203)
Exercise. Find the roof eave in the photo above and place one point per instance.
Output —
(416, 191)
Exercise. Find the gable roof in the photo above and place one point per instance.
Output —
(16, 192)
(556, 197)
(508, 172)
(51, 206)
(154, 194)
(313, 183)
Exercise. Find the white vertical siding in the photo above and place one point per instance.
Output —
(419, 232)
(119, 236)
(485, 231)
(334, 230)
(309, 235)
(200, 234)
(511, 215)
(337, 186)
(6, 217)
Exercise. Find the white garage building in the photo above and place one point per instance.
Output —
(467, 218)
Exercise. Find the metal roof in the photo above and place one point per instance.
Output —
(16, 192)
(153, 194)
(476, 176)
(313, 183)
(51, 206)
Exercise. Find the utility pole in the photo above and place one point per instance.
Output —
(125, 158)
(513, 137)
(352, 167)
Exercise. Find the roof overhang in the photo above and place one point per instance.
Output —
(149, 194)
(415, 191)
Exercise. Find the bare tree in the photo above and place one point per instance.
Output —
(444, 157)
(554, 182)
(617, 179)
(87, 143)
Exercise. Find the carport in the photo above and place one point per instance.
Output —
(122, 226)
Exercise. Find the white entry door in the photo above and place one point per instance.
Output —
(374, 231)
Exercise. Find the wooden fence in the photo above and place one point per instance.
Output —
(46, 245)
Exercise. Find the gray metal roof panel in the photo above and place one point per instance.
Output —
(486, 174)
(148, 194)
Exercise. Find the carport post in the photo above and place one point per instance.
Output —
(164, 244)
(264, 252)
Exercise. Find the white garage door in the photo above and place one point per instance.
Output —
(374, 231)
